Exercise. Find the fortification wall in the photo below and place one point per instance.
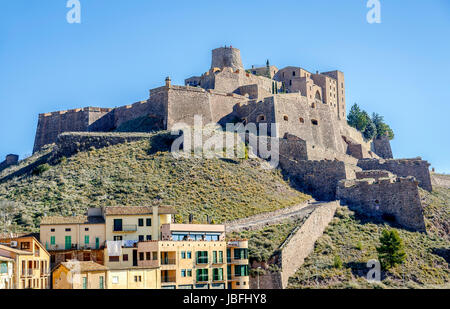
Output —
(10, 160)
(77, 120)
(395, 198)
(70, 143)
(317, 177)
(382, 147)
(403, 168)
(226, 57)
(301, 243)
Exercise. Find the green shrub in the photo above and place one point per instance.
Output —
(391, 251)
(337, 262)
(40, 169)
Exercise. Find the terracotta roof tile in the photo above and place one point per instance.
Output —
(137, 210)
(84, 266)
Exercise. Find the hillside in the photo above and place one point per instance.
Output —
(353, 238)
(136, 173)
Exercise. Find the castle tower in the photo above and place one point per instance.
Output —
(227, 57)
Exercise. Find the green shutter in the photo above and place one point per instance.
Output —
(86, 240)
(84, 283)
(52, 240)
(102, 283)
(68, 242)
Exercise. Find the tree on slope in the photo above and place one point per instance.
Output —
(390, 252)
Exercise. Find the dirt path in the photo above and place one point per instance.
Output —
(274, 217)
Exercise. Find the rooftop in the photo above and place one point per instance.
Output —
(84, 266)
(60, 220)
(137, 210)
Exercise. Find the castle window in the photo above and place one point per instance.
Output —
(318, 97)
(290, 82)
(313, 105)
(285, 118)
(314, 122)
(261, 118)
(293, 73)
(301, 120)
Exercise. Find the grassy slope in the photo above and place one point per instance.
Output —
(354, 239)
(134, 174)
(264, 243)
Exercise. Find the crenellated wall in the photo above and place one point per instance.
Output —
(389, 198)
(403, 168)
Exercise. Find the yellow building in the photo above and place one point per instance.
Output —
(134, 278)
(59, 233)
(238, 269)
(31, 262)
(79, 275)
(6, 273)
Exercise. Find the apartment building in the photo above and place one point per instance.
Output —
(134, 278)
(6, 273)
(237, 268)
(79, 275)
(31, 268)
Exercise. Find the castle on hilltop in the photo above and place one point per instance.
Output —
(310, 106)
(318, 149)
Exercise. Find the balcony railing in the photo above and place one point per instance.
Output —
(125, 228)
(202, 260)
(27, 272)
(168, 279)
(167, 261)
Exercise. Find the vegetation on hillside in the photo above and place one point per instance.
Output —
(139, 172)
(354, 239)
(370, 127)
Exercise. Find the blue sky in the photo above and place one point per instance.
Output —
(399, 68)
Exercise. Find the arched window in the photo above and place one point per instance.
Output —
(318, 97)
(302, 121)
(314, 122)
(261, 118)
(285, 118)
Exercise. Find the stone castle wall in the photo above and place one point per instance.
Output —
(382, 147)
(403, 168)
(9, 161)
(394, 199)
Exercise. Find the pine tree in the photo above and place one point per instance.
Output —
(390, 252)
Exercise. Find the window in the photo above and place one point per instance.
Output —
(86, 239)
(202, 257)
(125, 257)
(202, 275)
(240, 270)
(240, 254)
(25, 245)
(221, 257)
(117, 225)
(141, 256)
(52, 240)
(217, 274)
(102, 282)
(314, 122)
(86, 229)
(189, 255)
(141, 238)
(137, 278)
(68, 242)
(147, 256)
(313, 105)
(68, 230)
(155, 256)
(285, 118)
(117, 238)
(84, 283)
(261, 118)
(114, 259)
(148, 222)
(214, 257)
(189, 272)
(293, 73)
(229, 272)
(290, 82)
(183, 254)
(183, 273)
(52, 230)
(148, 237)
(141, 222)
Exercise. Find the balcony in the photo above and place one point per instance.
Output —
(167, 261)
(130, 228)
(168, 279)
(27, 272)
(202, 260)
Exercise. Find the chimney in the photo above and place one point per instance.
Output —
(155, 223)
(168, 81)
